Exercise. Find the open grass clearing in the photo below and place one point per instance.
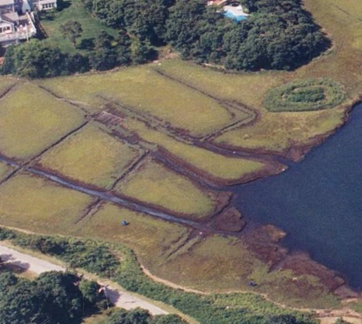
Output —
(73, 10)
(284, 130)
(91, 156)
(36, 204)
(148, 236)
(6, 83)
(155, 184)
(5, 170)
(144, 91)
(31, 120)
(222, 169)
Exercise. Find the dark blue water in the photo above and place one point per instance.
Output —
(318, 201)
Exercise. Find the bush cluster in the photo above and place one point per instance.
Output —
(305, 95)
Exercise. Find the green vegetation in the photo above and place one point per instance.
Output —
(173, 104)
(72, 11)
(281, 36)
(155, 184)
(5, 170)
(23, 134)
(215, 166)
(207, 309)
(31, 202)
(139, 316)
(91, 156)
(274, 37)
(147, 235)
(53, 297)
(304, 95)
(71, 30)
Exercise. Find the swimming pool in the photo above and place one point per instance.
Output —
(231, 15)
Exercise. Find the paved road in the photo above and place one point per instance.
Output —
(119, 298)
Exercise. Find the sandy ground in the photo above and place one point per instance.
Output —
(117, 297)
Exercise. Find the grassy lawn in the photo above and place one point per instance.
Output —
(148, 93)
(91, 156)
(73, 10)
(155, 184)
(218, 167)
(148, 236)
(36, 204)
(5, 170)
(32, 120)
(6, 83)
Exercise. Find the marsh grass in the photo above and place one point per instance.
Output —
(32, 120)
(91, 156)
(153, 183)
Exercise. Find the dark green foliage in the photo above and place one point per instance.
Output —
(71, 30)
(167, 319)
(305, 95)
(37, 59)
(278, 35)
(54, 297)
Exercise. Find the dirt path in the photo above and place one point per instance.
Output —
(36, 265)
(325, 316)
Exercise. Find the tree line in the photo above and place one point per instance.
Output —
(279, 34)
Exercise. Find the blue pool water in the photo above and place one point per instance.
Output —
(318, 201)
(236, 18)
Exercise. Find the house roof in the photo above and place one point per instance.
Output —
(11, 16)
(6, 2)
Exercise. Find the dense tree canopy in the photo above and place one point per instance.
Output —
(54, 297)
(279, 34)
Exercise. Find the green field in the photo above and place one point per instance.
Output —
(73, 10)
(31, 120)
(91, 156)
(155, 184)
(35, 204)
(146, 235)
(165, 115)
(173, 104)
(215, 166)
(5, 170)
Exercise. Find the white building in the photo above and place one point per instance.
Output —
(42, 5)
(16, 19)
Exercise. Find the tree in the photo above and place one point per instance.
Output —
(72, 30)
(89, 290)
(135, 316)
(167, 319)
(35, 59)
(340, 321)
(141, 52)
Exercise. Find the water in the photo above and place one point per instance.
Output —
(318, 201)
(237, 18)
